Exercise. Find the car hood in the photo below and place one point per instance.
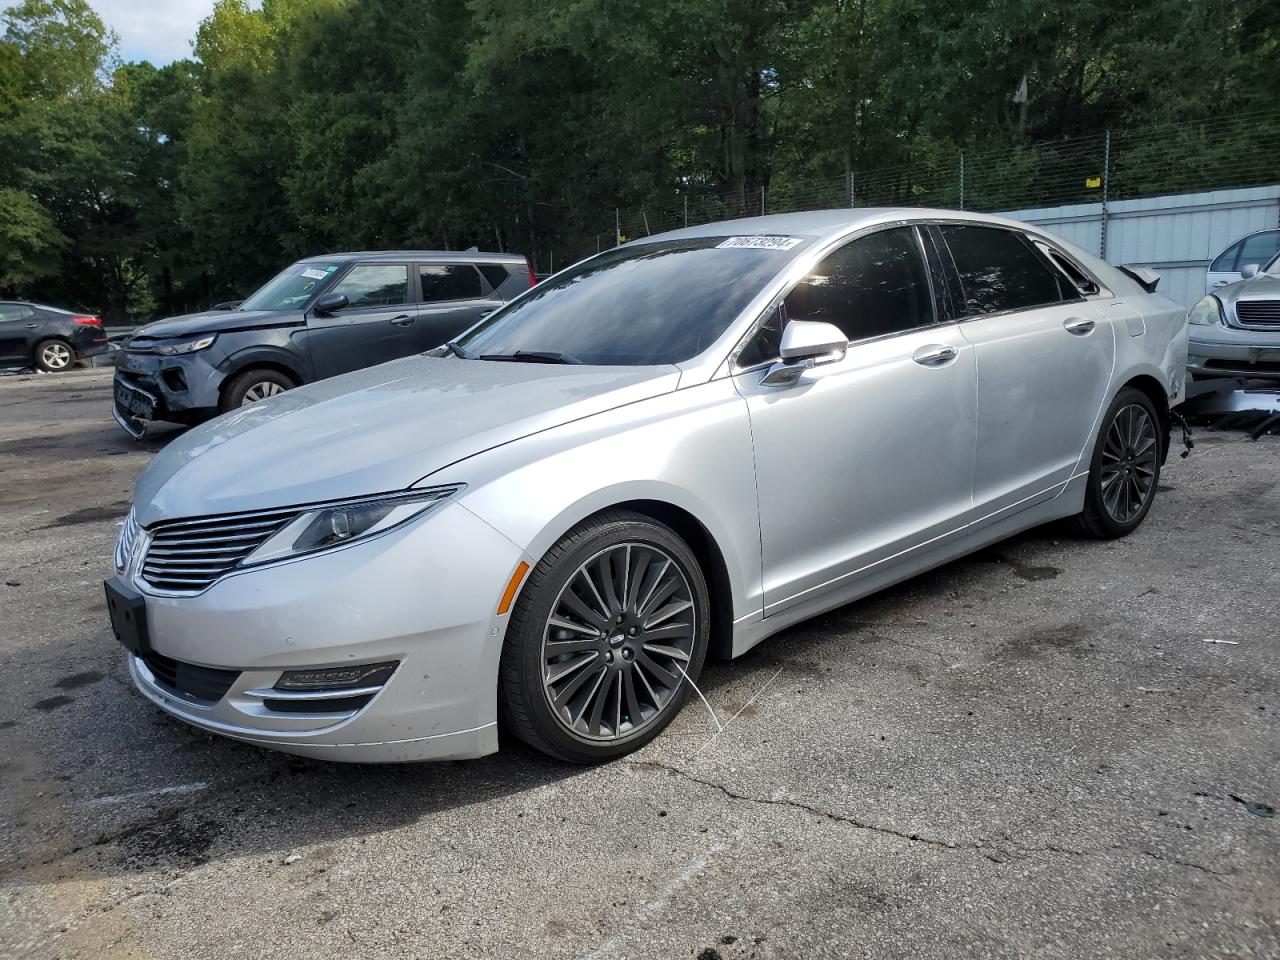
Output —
(216, 321)
(376, 430)
(1262, 287)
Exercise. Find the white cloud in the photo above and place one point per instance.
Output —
(155, 30)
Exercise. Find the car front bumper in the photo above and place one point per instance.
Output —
(182, 388)
(1227, 351)
(424, 595)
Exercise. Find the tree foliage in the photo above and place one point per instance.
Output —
(302, 126)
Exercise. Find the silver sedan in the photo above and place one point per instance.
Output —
(672, 449)
(1235, 331)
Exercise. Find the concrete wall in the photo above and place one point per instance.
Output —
(1177, 235)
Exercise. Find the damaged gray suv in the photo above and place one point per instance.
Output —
(320, 317)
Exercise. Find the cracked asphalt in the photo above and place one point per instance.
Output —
(1031, 752)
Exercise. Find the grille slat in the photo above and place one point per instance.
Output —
(185, 556)
(1260, 312)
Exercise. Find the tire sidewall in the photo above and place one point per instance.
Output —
(525, 634)
(1112, 527)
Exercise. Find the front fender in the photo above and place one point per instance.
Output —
(279, 352)
(690, 449)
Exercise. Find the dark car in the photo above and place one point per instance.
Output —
(47, 338)
(318, 318)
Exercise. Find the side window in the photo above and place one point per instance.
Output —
(375, 285)
(1259, 248)
(10, 311)
(870, 287)
(1226, 260)
(1078, 279)
(998, 270)
(449, 281)
(766, 344)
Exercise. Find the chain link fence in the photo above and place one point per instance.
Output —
(1235, 151)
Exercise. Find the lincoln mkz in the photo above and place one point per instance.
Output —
(670, 450)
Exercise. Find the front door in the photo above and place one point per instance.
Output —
(1044, 364)
(16, 321)
(375, 326)
(869, 457)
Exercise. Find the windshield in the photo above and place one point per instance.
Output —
(652, 303)
(291, 288)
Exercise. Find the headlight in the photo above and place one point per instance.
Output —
(125, 541)
(340, 523)
(188, 346)
(1206, 313)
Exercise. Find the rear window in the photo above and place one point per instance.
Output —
(998, 270)
(449, 281)
(652, 303)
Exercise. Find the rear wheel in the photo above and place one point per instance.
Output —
(1125, 469)
(253, 385)
(608, 633)
(54, 356)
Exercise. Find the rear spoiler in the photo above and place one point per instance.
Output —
(1146, 278)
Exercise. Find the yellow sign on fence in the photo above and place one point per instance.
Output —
(1093, 183)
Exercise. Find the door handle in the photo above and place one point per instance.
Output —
(31, 326)
(1221, 283)
(1079, 325)
(403, 320)
(935, 354)
(485, 313)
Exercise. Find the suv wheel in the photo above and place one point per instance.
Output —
(251, 386)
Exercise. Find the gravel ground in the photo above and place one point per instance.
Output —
(1030, 752)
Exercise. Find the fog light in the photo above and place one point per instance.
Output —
(338, 678)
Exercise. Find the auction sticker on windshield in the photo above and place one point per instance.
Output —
(314, 274)
(761, 243)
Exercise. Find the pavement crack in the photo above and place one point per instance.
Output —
(800, 805)
(991, 849)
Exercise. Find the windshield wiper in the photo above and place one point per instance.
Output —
(453, 347)
(532, 356)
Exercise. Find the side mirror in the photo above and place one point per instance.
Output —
(330, 303)
(805, 344)
(1248, 271)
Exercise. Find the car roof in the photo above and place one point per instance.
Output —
(461, 256)
(822, 224)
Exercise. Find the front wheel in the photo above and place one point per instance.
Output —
(1125, 469)
(55, 356)
(608, 635)
(251, 386)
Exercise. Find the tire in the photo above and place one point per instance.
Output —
(1124, 473)
(638, 679)
(252, 385)
(54, 356)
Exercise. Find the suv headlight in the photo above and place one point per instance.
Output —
(187, 346)
(337, 524)
(1207, 312)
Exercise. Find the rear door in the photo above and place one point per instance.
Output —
(454, 297)
(375, 326)
(1044, 363)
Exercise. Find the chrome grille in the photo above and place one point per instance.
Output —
(188, 555)
(1261, 312)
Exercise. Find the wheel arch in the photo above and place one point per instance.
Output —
(705, 548)
(258, 361)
